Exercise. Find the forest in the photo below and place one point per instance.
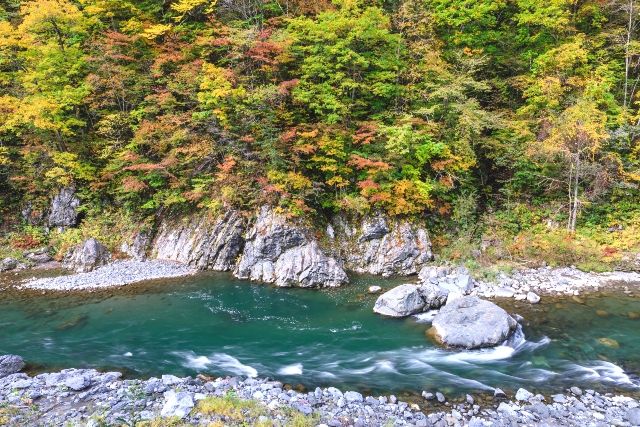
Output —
(509, 126)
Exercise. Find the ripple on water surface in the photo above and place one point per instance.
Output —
(217, 325)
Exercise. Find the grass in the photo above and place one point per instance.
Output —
(231, 408)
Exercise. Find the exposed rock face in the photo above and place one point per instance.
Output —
(87, 256)
(10, 364)
(137, 246)
(408, 299)
(279, 252)
(63, 209)
(382, 247)
(201, 242)
(470, 322)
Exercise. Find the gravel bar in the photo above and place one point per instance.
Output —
(116, 274)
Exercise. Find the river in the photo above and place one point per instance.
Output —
(217, 325)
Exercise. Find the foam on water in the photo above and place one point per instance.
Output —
(227, 363)
(295, 369)
(604, 372)
(425, 317)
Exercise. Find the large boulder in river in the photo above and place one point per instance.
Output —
(10, 364)
(381, 246)
(201, 241)
(408, 299)
(63, 211)
(401, 301)
(470, 322)
(278, 251)
(87, 256)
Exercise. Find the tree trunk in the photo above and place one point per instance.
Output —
(576, 202)
(627, 58)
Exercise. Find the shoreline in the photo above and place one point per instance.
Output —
(544, 281)
(113, 275)
(88, 397)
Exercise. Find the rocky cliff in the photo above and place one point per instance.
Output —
(380, 246)
(273, 249)
(281, 252)
(200, 241)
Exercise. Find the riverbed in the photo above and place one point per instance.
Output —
(217, 325)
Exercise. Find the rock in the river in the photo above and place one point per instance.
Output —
(63, 212)
(278, 251)
(10, 364)
(374, 289)
(201, 242)
(470, 322)
(8, 264)
(533, 298)
(87, 256)
(401, 301)
(434, 296)
(380, 246)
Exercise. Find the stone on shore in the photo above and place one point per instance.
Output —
(401, 301)
(523, 395)
(10, 364)
(8, 264)
(470, 323)
(177, 404)
(87, 256)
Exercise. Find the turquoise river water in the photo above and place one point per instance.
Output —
(216, 325)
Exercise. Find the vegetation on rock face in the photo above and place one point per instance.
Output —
(494, 119)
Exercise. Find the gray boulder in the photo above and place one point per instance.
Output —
(277, 251)
(38, 256)
(87, 256)
(457, 282)
(201, 242)
(8, 264)
(633, 416)
(470, 322)
(63, 211)
(10, 364)
(401, 301)
(380, 246)
(434, 296)
(177, 404)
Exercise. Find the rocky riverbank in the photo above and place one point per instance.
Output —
(87, 397)
(116, 274)
(528, 284)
